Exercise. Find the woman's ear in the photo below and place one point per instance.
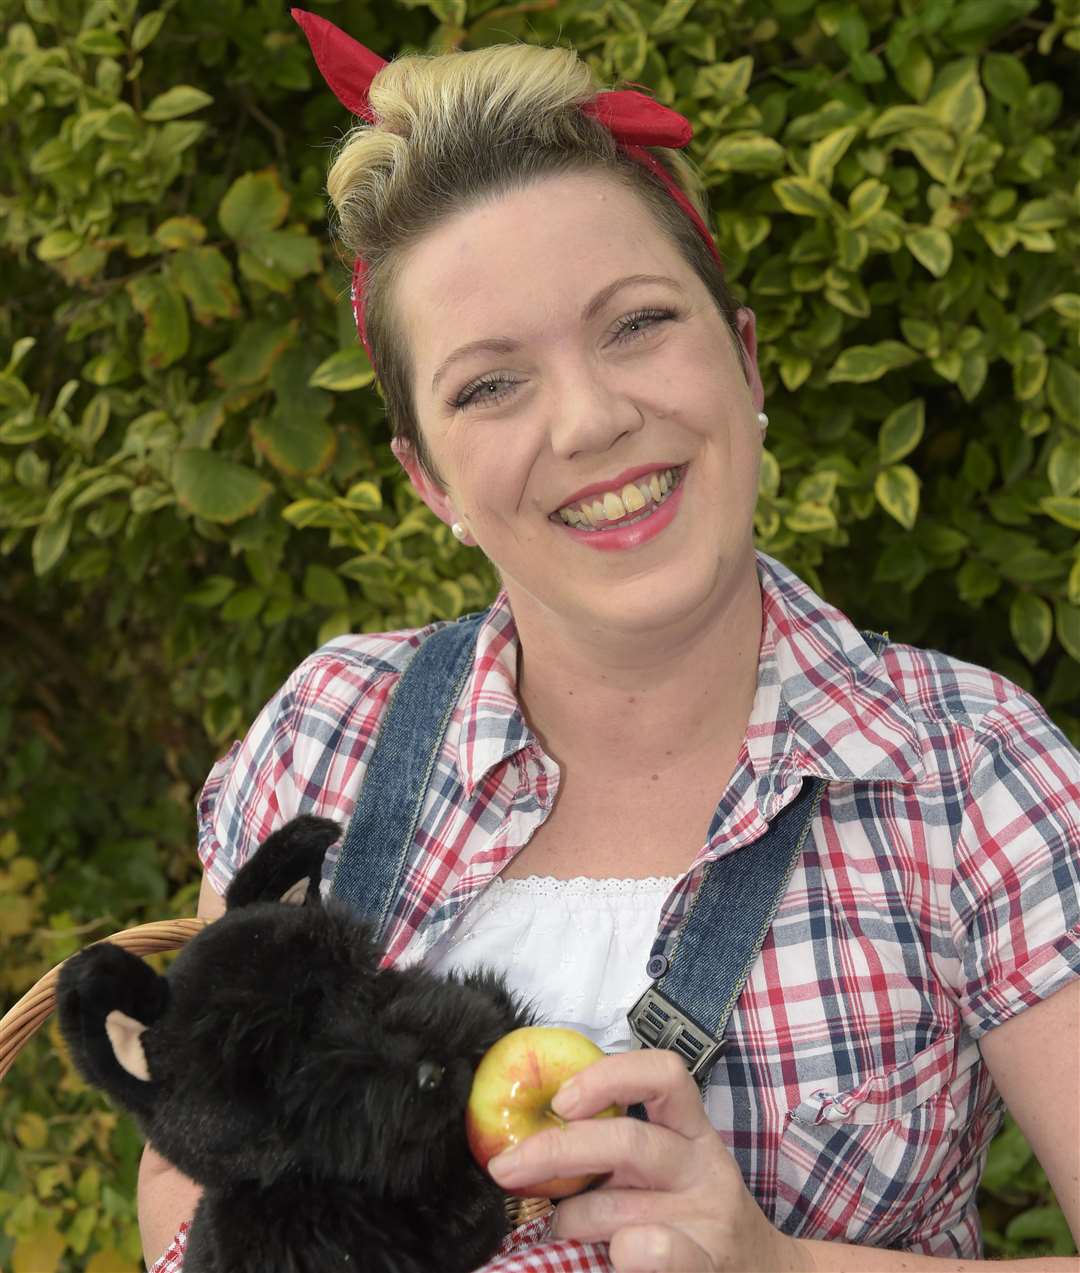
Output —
(747, 323)
(433, 495)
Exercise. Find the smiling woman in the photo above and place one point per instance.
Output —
(652, 715)
(450, 135)
(592, 394)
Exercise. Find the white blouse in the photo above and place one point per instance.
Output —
(574, 950)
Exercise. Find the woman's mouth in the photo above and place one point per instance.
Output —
(617, 509)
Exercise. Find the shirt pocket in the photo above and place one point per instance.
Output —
(864, 1163)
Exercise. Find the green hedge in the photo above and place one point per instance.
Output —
(196, 485)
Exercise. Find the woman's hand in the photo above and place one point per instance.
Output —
(674, 1198)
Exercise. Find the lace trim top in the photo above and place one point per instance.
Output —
(574, 950)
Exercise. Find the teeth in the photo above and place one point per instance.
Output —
(613, 506)
(633, 497)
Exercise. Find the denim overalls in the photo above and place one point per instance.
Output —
(691, 997)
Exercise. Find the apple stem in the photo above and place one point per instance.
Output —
(550, 1113)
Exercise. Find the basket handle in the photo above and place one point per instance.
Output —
(35, 1007)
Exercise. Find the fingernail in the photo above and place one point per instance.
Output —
(505, 1163)
(565, 1100)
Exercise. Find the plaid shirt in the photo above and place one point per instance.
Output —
(938, 894)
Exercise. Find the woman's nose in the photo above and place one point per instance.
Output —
(590, 411)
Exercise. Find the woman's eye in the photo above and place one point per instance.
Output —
(493, 389)
(642, 322)
(482, 391)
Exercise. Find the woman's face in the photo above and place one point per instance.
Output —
(551, 371)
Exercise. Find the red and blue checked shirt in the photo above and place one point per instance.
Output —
(938, 895)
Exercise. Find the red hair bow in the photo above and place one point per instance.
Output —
(634, 119)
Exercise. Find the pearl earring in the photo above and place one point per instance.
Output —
(458, 531)
(763, 420)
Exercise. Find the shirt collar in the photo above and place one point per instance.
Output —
(493, 726)
(824, 705)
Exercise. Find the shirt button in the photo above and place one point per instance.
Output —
(657, 966)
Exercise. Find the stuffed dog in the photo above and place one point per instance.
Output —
(318, 1101)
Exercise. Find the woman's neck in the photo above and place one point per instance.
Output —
(672, 695)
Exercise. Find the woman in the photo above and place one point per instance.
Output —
(572, 390)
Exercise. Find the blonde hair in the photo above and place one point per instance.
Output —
(458, 127)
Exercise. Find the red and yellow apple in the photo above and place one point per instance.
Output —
(512, 1092)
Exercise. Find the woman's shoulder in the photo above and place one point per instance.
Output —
(306, 750)
(942, 687)
(357, 671)
(973, 719)
(951, 703)
(362, 658)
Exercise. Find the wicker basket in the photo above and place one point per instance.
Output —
(35, 1007)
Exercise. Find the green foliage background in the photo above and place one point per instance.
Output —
(196, 486)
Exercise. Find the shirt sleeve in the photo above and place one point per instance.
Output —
(530, 1248)
(568, 1256)
(526, 1250)
(1016, 887)
(250, 790)
(304, 753)
(171, 1260)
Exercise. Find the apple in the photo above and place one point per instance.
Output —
(512, 1091)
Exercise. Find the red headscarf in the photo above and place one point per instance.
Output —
(632, 118)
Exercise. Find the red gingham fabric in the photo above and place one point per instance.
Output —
(938, 894)
(171, 1260)
(526, 1250)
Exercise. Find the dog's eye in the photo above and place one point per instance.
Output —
(429, 1076)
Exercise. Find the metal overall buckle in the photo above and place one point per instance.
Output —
(657, 1023)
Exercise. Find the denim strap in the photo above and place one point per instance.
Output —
(696, 987)
(688, 1005)
(379, 840)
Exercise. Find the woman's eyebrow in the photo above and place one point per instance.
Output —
(506, 345)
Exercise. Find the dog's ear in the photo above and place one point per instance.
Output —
(107, 998)
(287, 866)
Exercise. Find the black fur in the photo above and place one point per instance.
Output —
(284, 1078)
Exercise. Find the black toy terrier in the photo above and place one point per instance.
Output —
(318, 1101)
